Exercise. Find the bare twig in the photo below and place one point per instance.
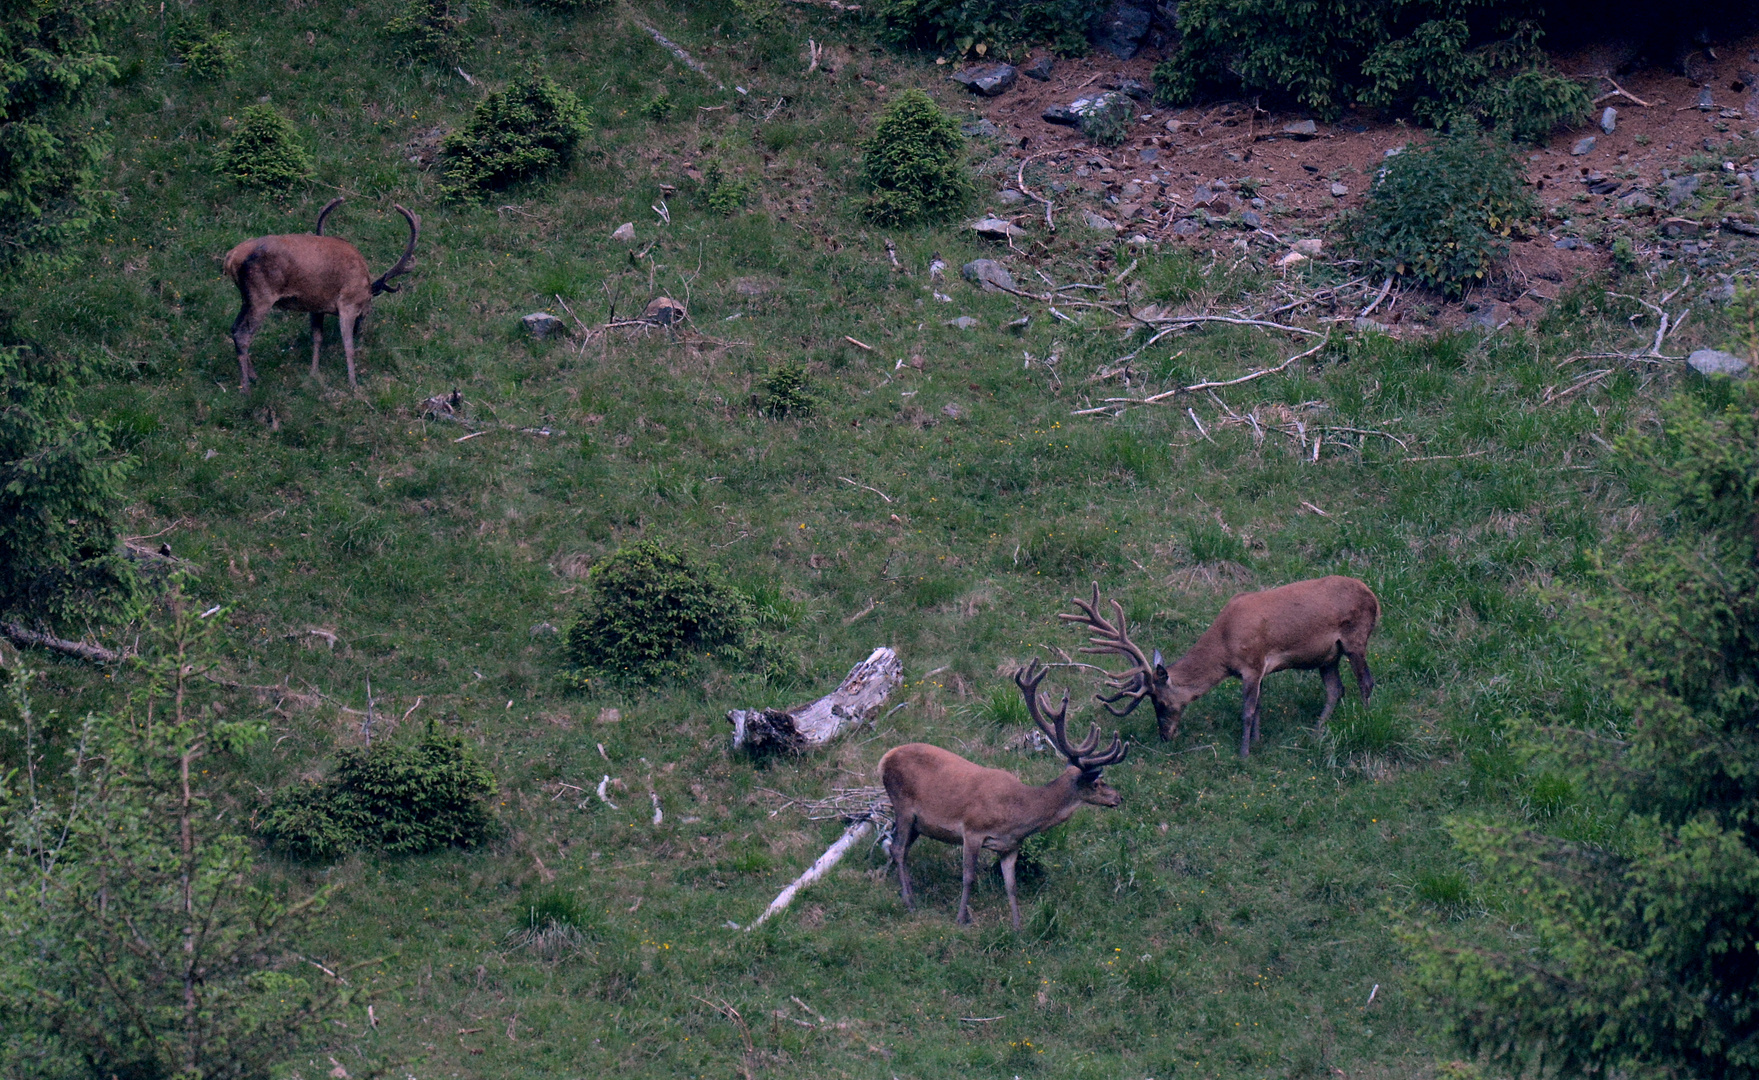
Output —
(858, 344)
(1385, 287)
(822, 866)
(1619, 91)
(677, 50)
(866, 487)
(1192, 413)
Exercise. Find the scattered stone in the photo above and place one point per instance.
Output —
(1310, 247)
(1149, 155)
(1301, 129)
(624, 233)
(1394, 152)
(1186, 227)
(1706, 101)
(1603, 186)
(1098, 223)
(663, 311)
(1138, 241)
(1133, 88)
(1338, 191)
(1637, 202)
(1019, 325)
(1745, 228)
(1489, 317)
(1723, 291)
(1717, 362)
(1131, 190)
(963, 322)
(1609, 120)
(543, 629)
(541, 324)
(952, 411)
(1251, 220)
(1293, 258)
(1121, 28)
(1570, 243)
(1009, 197)
(988, 275)
(1174, 126)
(996, 228)
(1681, 229)
(1061, 114)
(1585, 146)
(1679, 189)
(980, 129)
(609, 716)
(988, 80)
(943, 298)
(1039, 68)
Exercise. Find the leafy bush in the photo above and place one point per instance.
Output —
(206, 54)
(429, 30)
(722, 193)
(531, 127)
(984, 26)
(649, 608)
(659, 108)
(401, 796)
(1108, 121)
(265, 151)
(60, 500)
(1447, 61)
(1441, 214)
(915, 164)
(787, 392)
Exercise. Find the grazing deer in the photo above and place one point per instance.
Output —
(307, 272)
(937, 793)
(1304, 625)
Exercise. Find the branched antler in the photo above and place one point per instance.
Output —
(1080, 755)
(1113, 637)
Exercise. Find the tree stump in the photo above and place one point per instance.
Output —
(851, 704)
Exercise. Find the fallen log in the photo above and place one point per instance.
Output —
(816, 723)
(24, 638)
(832, 856)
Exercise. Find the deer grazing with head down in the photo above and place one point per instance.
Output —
(937, 793)
(307, 272)
(1304, 625)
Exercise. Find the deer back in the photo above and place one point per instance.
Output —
(1296, 625)
(951, 798)
(301, 271)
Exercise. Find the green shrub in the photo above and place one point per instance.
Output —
(1003, 708)
(429, 30)
(206, 54)
(787, 391)
(401, 796)
(552, 926)
(722, 193)
(914, 164)
(984, 26)
(264, 151)
(1533, 104)
(1441, 214)
(1108, 121)
(649, 609)
(531, 127)
(659, 108)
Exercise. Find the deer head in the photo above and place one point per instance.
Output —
(1089, 784)
(1147, 676)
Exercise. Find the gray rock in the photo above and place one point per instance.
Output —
(541, 324)
(952, 410)
(1138, 241)
(1491, 316)
(1301, 129)
(1723, 291)
(1570, 243)
(1121, 28)
(543, 629)
(1186, 227)
(1678, 190)
(997, 228)
(624, 233)
(1365, 325)
(1706, 100)
(1716, 362)
(1009, 197)
(1149, 155)
(1251, 220)
(1098, 223)
(1609, 120)
(963, 322)
(1061, 114)
(1310, 247)
(988, 80)
(1585, 146)
(1394, 152)
(988, 275)
(1745, 228)
(1133, 88)
(980, 129)
(663, 311)
(1637, 202)
(1039, 68)
(1338, 191)
(1130, 191)
(1681, 228)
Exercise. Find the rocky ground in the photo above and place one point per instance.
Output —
(1668, 167)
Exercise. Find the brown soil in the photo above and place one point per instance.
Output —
(1148, 185)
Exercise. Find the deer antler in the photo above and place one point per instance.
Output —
(1080, 755)
(1114, 637)
(383, 283)
(318, 229)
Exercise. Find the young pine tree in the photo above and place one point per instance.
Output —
(915, 164)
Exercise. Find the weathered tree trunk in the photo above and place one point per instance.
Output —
(24, 638)
(802, 727)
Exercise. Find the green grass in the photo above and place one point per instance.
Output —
(1228, 920)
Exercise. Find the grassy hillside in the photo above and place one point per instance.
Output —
(1229, 920)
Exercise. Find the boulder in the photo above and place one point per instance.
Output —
(980, 129)
(1009, 197)
(1098, 222)
(963, 322)
(1121, 27)
(1186, 227)
(1491, 316)
(1062, 114)
(1678, 190)
(1039, 67)
(988, 275)
(1132, 88)
(1717, 362)
(1301, 129)
(1583, 146)
(1609, 120)
(624, 233)
(1637, 202)
(1310, 247)
(541, 324)
(1338, 191)
(988, 80)
(663, 311)
(1681, 229)
(997, 228)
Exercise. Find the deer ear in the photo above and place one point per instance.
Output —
(1158, 664)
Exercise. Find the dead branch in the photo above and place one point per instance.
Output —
(1619, 91)
(1020, 183)
(79, 650)
(850, 705)
(866, 487)
(832, 856)
(1156, 399)
(677, 50)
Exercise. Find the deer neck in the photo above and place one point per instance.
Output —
(1202, 668)
(1057, 802)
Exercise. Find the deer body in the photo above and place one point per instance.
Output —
(937, 793)
(1305, 625)
(307, 272)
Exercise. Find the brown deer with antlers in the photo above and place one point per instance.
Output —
(937, 793)
(307, 272)
(1304, 625)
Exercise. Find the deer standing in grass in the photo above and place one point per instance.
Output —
(307, 272)
(937, 793)
(1304, 625)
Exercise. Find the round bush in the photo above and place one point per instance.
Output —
(529, 128)
(265, 151)
(649, 608)
(1441, 214)
(915, 164)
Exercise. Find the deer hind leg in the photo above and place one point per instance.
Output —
(1364, 678)
(317, 340)
(1334, 690)
(903, 835)
(348, 319)
(1249, 711)
(1008, 883)
(972, 848)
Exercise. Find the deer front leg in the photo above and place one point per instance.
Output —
(1364, 678)
(1008, 883)
(244, 330)
(973, 845)
(349, 321)
(1334, 690)
(1249, 712)
(317, 340)
(903, 836)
